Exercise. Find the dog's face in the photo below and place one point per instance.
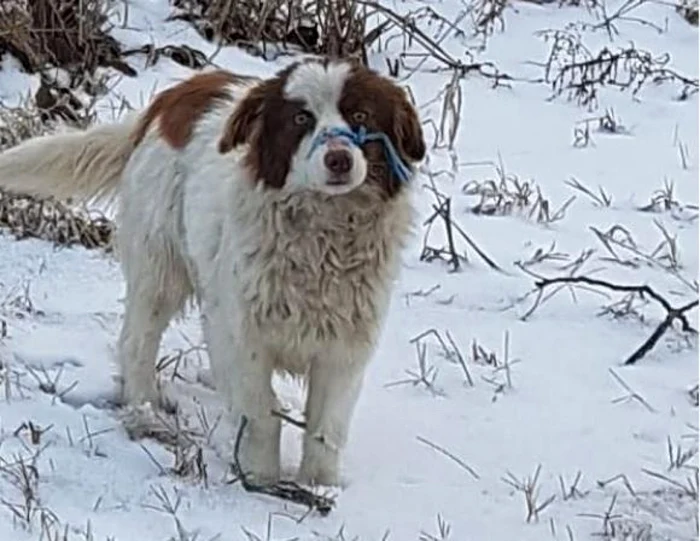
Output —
(286, 120)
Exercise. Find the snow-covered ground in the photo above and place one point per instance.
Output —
(434, 454)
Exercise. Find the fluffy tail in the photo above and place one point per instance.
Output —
(83, 165)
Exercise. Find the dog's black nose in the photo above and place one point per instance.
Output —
(338, 161)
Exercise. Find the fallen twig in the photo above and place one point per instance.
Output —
(672, 314)
(285, 490)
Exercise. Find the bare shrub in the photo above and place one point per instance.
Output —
(579, 73)
(43, 35)
(335, 27)
(61, 33)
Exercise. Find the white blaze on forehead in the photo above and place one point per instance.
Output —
(318, 86)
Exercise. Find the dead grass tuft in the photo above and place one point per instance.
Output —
(529, 487)
(28, 217)
(507, 194)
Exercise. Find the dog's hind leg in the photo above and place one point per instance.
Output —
(157, 289)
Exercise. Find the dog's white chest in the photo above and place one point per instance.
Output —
(312, 273)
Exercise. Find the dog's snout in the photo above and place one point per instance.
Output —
(338, 161)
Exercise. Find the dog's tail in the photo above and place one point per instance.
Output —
(83, 165)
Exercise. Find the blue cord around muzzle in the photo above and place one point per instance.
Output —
(358, 138)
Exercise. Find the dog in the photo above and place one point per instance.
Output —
(280, 207)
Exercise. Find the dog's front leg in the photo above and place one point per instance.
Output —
(244, 379)
(334, 388)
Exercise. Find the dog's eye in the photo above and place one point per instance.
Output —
(359, 117)
(302, 118)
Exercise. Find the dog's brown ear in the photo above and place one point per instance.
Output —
(408, 131)
(241, 124)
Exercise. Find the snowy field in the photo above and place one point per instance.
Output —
(492, 410)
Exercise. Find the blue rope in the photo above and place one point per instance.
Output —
(359, 138)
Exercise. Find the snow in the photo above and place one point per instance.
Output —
(566, 409)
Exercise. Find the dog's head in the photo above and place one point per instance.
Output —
(327, 126)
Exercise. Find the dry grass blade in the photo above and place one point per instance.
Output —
(619, 237)
(530, 491)
(608, 519)
(426, 374)
(443, 531)
(678, 457)
(27, 510)
(466, 467)
(442, 212)
(689, 489)
(450, 118)
(619, 477)
(607, 123)
(571, 491)
(452, 353)
(601, 199)
(631, 394)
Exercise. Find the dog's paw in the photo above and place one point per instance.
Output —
(144, 421)
(160, 396)
(324, 472)
(320, 463)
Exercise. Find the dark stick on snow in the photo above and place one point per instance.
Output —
(287, 418)
(672, 314)
(285, 490)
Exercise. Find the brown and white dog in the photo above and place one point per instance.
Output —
(249, 196)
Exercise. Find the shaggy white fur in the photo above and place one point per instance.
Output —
(295, 279)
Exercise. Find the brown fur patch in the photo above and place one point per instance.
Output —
(388, 111)
(178, 108)
(265, 120)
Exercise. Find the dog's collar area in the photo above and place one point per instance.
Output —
(358, 138)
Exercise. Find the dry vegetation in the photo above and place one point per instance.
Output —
(73, 36)
(44, 35)
(336, 28)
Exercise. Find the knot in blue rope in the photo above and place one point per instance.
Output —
(358, 138)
